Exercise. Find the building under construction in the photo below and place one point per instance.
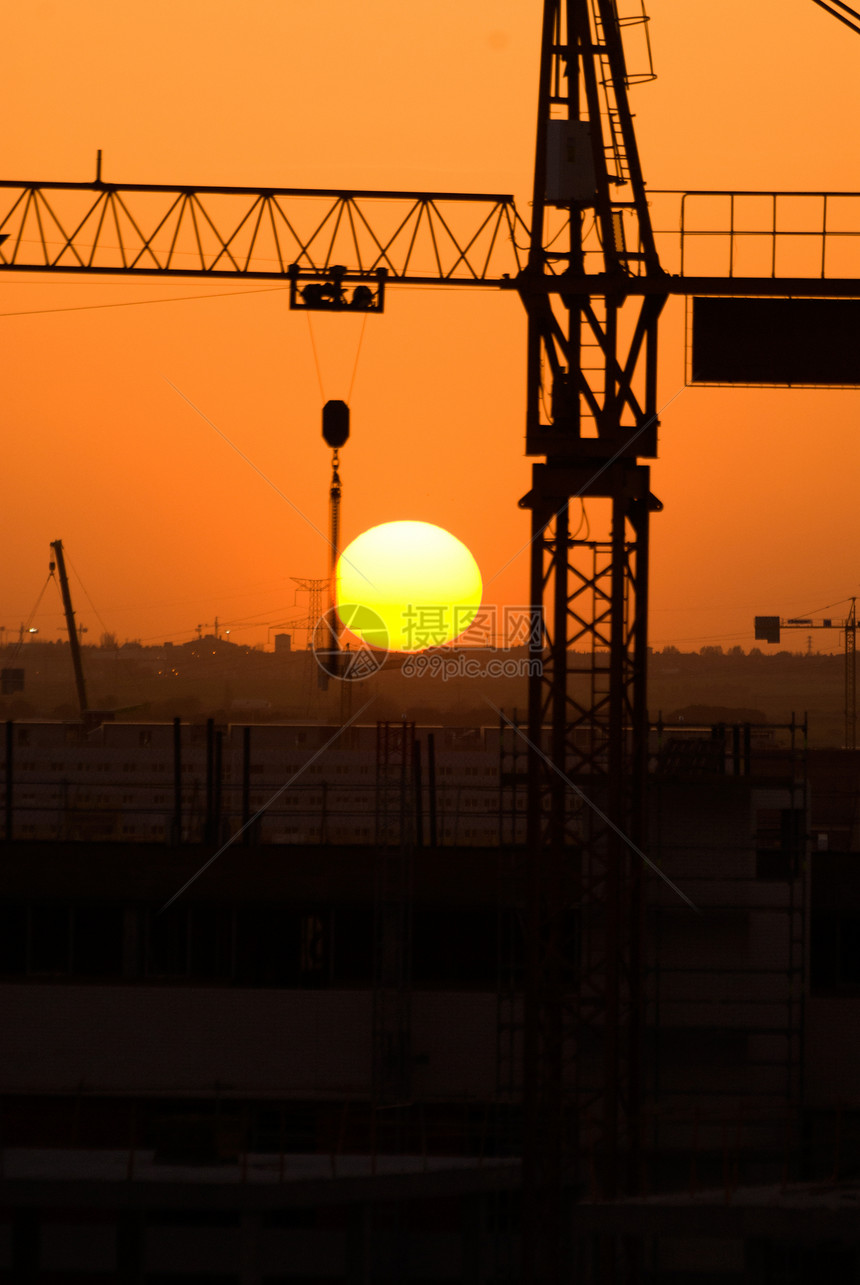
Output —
(307, 1066)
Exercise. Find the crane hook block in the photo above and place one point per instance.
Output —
(335, 423)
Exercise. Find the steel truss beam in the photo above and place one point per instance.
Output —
(153, 230)
(416, 238)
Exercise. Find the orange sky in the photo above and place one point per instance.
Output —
(168, 527)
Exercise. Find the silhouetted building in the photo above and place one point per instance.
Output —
(304, 1067)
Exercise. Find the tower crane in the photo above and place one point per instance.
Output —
(593, 287)
(768, 629)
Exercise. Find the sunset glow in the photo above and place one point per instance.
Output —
(421, 580)
(206, 501)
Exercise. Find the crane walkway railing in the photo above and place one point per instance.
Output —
(752, 234)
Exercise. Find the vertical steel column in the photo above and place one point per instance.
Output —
(10, 778)
(539, 1221)
(392, 913)
(851, 677)
(431, 787)
(640, 518)
(208, 824)
(247, 837)
(218, 788)
(177, 780)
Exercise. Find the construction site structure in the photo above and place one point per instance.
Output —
(397, 779)
(593, 303)
(768, 629)
(324, 1073)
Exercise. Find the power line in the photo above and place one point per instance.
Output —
(139, 303)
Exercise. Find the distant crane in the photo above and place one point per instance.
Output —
(215, 625)
(767, 629)
(74, 640)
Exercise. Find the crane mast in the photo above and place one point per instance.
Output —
(74, 642)
(592, 412)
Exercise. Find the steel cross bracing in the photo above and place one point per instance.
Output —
(153, 230)
(414, 238)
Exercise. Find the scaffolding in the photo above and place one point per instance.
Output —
(392, 916)
(512, 782)
(722, 990)
(725, 987)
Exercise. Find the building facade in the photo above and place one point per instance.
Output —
(285, 1047)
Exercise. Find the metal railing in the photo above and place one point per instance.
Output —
(758, 233)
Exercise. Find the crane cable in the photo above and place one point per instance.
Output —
(318, 365)
(25, 628)
(316, 357)
(86, 595)
(827, 606)
(357, 355)
(130, 670)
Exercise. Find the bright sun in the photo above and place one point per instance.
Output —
(418, 579)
